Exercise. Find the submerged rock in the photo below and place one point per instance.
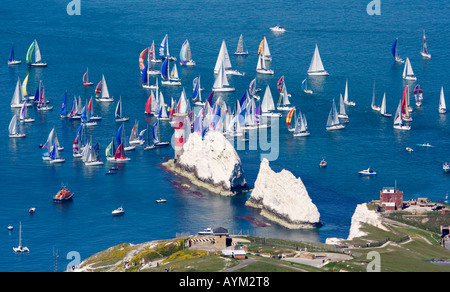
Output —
(283, 198)
(211, 163)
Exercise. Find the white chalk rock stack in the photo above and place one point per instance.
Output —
(283, 199)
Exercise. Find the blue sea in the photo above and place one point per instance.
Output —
(108, 37)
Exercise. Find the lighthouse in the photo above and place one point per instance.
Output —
(181, 127)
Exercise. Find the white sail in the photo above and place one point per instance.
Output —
(240, 47)
(442, 106)
(13, 126)
(408, 72)
(398, 116)
(316, 66)
(267, 103)
(221, 82)
(105, 93)
(17, 98)
(383, 105)
(37, 53)
(222, 57)
(266, 50)
(342, 112)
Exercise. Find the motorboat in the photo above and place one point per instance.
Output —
(10, 227)
(322, 163)
(63, 195)
(446, 167)
(207, 231)
(161, 200)
(278, 28)
(32, 210)
(409, 149)
(118, 212)
(367, 172)
(112, 170)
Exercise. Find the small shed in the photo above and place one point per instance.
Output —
(221, 237)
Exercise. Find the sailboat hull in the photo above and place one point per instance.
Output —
(336, 127)
(19, 135)
(425, 55)
(224, 89)
(14, 62)
(88, 84)
(265, 71)
(276, 115)
(171, 82)
(284, 108)
(410, 78)
(37, 64)
(302, 134)
(318, 73)
(402, 127)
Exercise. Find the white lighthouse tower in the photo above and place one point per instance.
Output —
(182, 126)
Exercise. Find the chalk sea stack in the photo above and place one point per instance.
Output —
(211, 163)
(283, 199)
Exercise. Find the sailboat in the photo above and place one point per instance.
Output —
(408, 73)
(405, 108)
(52, 140)
(150, 60)
(267, 105)
(342, 113)
(283, 101)
(20, 248)
(24, 89)
(197, 92)
(442, 107)
(240, 47)
(424, 51)
(135, 136)
(333, 122)
(316, 67)
(169, 78)
(90, 110)
(156, 137)
(23, 114)
(305, 86)
(77, 145)
(152, 54)
(42, 103)
(86, 81)
(291, 115)
(346, 101)
(90, 155)
(383, 107)
(221, 81)
(373, 105)
(11, 60)
(264, 50)
(418, 95)
(118, 113)
(101, 91)
(398, 123)
(224, 58)
(54, 156)
(18, 99)
(164, 49)
(395, 53)
(185, 55)
(14, 129)
(37, 56)
(261, 67)
(301, 126)
(146, 77)
(85, 118)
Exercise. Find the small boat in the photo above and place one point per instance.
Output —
(42, 103)
(267, 105)
(224, 58)
(37, 62)
(305, 87)
(20, 248)
(342, 113)
(409, 149)
(112, 170)
(383, 108)
(54, 156)
(278, 28)
(86, 81)
(14, 131)
(264, 50)
(32, 210)
(425, 145)
(156, 137)
(316, 67)
(63, 195)
(323, 163)
(367, 172)
(373, 105)
(346, 101)
(11, 60)
(395, 53)
(164, 49)
(118, 212)
(197, 92)
(424, 51)
(262, 68)
(240, 48)
(408, 73)
(118, 113)
(301, 126)
(398, 123)
(333, 122)
(283, 101)
(442, 106)
(101, 91)
(206, 231)
(10, 227)
(161, 200)
(169, 78)
(18, 99)
(418, 95)
(446, 167)
(221, 81)
(185, 55)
